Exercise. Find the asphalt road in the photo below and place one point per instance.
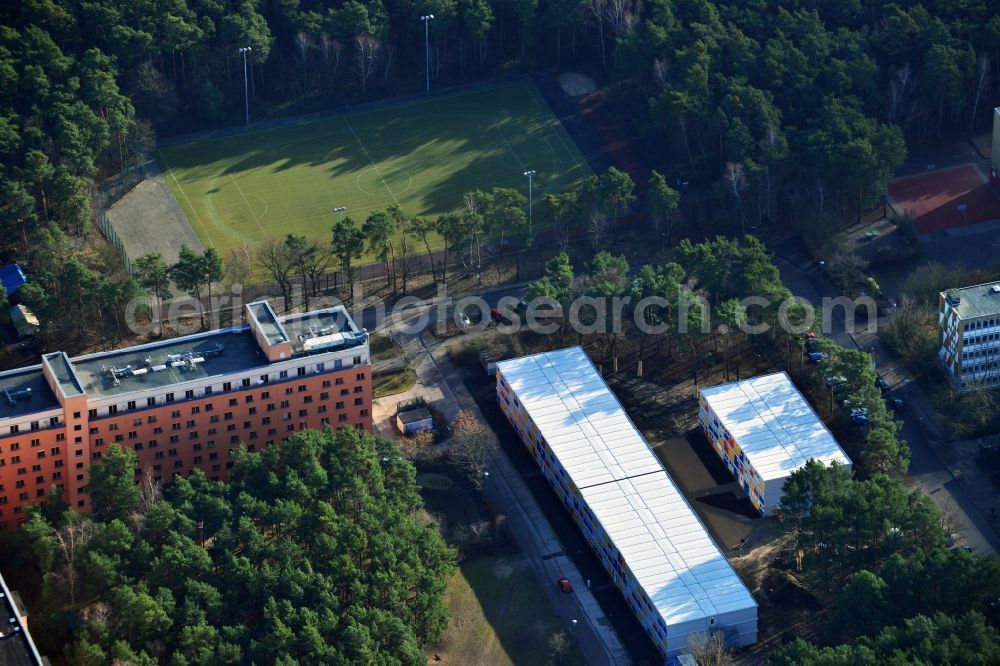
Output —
(927, 471)
(582, 615)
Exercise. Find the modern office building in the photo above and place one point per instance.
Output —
(969, 320)
(16, 645)
(651, 542)
(179, 404)
(764, 429)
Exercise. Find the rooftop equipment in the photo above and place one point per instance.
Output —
(13, 395)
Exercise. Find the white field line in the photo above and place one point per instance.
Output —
(374, 166)
(511, 148)
(190, 205)
(208, 209)
(548, 112)
(249, 207)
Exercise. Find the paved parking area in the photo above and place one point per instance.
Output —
(713, 493)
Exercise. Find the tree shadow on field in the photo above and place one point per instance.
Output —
(453, 146)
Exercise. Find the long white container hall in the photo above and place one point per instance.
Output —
(764, 429)
(653, 545)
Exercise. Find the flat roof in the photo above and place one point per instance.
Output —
(239, 351)
(413, 415)
(773, 424)
(579, 417)
(668, 550)
(16, 646)
(317, 324)
(646, 517)
(18, 402)
(977, 300)
(62, 370)
(169, 362)
(268, 322)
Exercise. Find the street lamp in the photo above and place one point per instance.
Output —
(822, 265)
(427, 48)
(573, 624)
(531, 178)
(244, 50)
(340, 210)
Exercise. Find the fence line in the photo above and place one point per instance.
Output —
(104, 196)
(112, 236)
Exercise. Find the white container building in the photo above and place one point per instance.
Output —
(673, 576)
(764, 429)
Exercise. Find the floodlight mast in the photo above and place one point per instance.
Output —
(427, 48)
(340, 210)
(531, 178)
(244, 50)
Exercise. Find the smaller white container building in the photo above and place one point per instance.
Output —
(658, 553)
(764, 429)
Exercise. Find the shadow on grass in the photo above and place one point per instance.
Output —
(499, 617)
(500, 614)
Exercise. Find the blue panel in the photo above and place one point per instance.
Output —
(12, 278)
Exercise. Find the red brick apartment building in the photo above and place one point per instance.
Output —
(180, 403)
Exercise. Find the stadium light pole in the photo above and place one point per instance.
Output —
(246, 94)
(427, 48)
(340, 210)
(531, 178)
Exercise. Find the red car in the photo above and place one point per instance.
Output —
(564, 584)
(498, 317)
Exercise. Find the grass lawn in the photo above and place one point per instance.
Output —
(382, 347)
(499, 616)
(422, 155)
(391, 383)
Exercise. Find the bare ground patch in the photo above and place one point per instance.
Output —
(576, 84)
(149, 219)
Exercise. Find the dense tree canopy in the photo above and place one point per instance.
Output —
(789, 109)
(898, 590)
(936, 639)
(314, 552)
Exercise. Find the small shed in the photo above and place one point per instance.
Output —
(414, 420)
(24, 321)
(488, 362)
(12, 278)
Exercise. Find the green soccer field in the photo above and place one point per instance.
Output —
(422, 155)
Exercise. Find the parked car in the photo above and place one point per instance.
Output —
(881, 383)
(462, 320)
(897, 404)
(498, 317)
(564, 584)
(859, 415)
(521, 308)
(816, 357)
